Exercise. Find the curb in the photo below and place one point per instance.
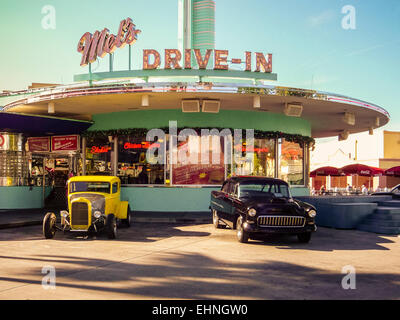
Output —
(139, 219)
(20, 224)
(173, 220)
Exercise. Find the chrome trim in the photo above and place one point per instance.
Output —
(217, 204)
(280, 221)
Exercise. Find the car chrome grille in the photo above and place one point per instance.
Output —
(281, 221)
(79, 214)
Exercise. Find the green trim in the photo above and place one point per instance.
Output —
(171, 73)
(258, 134)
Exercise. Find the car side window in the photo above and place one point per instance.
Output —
(115, 187)
(225, 187)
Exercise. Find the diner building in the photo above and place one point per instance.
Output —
(99, 124)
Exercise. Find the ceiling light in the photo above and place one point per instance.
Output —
(293, 110)
(145, 101)
(257, 102)
(349, 118)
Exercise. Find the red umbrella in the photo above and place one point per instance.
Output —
(325, 171)
(392, 172)
(361, 170)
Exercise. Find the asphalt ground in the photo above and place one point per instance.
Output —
(196, 261)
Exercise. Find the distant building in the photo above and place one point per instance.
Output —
(382, 150)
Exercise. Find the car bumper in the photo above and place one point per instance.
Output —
(254, 228)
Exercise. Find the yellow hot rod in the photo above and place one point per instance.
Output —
(94, 205)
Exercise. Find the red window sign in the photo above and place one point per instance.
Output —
(65, 143)
(41, 144)
(143, 145)
(103, 149)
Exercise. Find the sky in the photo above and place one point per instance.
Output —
(310, 47)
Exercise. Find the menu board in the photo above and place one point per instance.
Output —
(65, 143)
(41, 144)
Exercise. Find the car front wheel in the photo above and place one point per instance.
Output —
(216, 221)
(304, 237)
(111, 226)
(242, 235)
(49, 225)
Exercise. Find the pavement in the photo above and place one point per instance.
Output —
(31, 217)
(156, 261)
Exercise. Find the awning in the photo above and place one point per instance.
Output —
(41, 125)
(392, 172)
(361, 170)
(326, 171)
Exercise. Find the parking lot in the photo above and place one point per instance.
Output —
(169, 261)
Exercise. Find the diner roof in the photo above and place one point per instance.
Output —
(324, 111)
(41, 125)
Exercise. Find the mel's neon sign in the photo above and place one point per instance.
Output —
(92, 46)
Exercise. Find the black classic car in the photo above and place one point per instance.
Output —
(256, 206)
(394, 192)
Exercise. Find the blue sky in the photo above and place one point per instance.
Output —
(310, 48)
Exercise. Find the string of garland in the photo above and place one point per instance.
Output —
(258, 134)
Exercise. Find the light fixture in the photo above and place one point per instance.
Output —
(257, 102)
(190, 105)
(211, 106)
(344, 135)
(349, 118)
(145, 100)
(377, 122)
(110, 139)
(371, 131)
(293, 109)
(51, 108)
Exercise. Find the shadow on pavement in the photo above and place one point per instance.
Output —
(196, 276)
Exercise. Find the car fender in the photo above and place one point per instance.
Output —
(123, 210)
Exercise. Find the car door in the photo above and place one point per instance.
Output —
(236, 204)
(225, 201)
(217, 199)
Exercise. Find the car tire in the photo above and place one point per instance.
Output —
(49, 225)
(127, 222)
(304, 237)
(111, 226)
(241, 234)
(216, 221)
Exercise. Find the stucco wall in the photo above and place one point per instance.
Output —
(22, 197)
(235, 119)
(176, 199)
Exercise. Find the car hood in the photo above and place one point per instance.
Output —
(273, 205)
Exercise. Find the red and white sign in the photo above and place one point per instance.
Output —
(41, 144)
(65, 143)
(2, 140)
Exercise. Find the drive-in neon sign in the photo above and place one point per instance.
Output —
(92, 46)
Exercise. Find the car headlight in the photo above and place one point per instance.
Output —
(252, 212)
(312, 213)
(97, 214)
(64, 214)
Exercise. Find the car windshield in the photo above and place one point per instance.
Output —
(88, 186)
(263, 189)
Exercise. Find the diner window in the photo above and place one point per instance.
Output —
(98, 156)
(263, 160)
(291, 162)
(200, 161)
(133, 167)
